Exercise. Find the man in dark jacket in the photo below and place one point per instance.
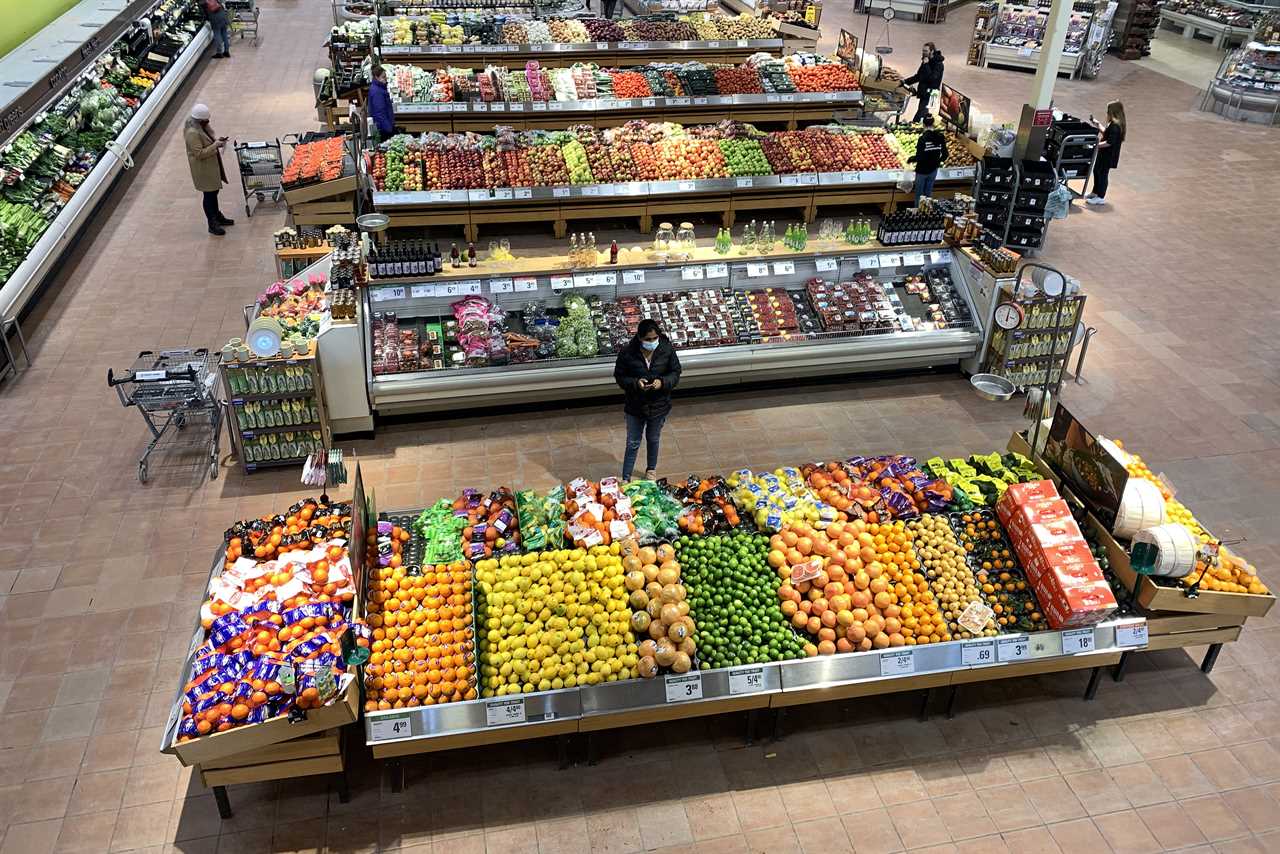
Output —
(931, 152)
(380, 108)
(647, 370)
(927, 79)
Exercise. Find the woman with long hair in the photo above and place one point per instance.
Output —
(1108, 152)
(647, 370)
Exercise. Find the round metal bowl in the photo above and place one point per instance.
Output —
(992, 387)
(373, 222)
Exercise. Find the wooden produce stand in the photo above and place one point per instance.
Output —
(1174, 619)
(727, 51)
(774, 111)
(304, 256)
(324, 203)
(648, 201)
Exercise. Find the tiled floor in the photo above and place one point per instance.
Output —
(99, 576)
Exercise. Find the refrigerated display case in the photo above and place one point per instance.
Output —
(735, 318)
(1019, 30)
(1247, 85)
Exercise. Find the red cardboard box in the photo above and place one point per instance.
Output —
(1073, 559)
(1080, 605)
(1033, 490)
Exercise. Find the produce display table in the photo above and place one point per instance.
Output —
(646, 200)
(323, 202)
(779, 110)
(1221, 36)
(556, 55)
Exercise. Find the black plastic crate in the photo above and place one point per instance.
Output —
(1036, 175)
(992, 217)
(995, 198)
(997, 172)
(1025, 220)
(1030, 200)
(1026, 239)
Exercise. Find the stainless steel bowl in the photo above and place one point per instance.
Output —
(992, 387)
(373, 221)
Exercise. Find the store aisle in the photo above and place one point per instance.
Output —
(99, 575)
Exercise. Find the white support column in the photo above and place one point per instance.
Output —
(1055, 36)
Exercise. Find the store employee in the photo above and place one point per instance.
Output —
(931, 152)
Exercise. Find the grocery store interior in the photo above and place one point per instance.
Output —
(103, 575)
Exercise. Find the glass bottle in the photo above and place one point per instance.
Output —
(613, 252)
(592, 255)
(748, 238)
(472, 260)
(454, 257)
(663, 240)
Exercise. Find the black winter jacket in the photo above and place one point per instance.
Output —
(929, 75)
(630, 368)
(931, 151)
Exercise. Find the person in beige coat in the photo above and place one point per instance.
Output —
(204, 156)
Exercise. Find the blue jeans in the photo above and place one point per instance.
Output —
(221, 38)
(639, 426)
(924, 185)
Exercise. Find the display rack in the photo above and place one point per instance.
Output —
(1247, 85)
(905, 346)
(1135, 24)
(1025, 353)
(787, 110)
(1018, 30)
(562, 55)
(1229, 25)
(984, 29)
(75, 44)
(281, 421)
(1072, 146)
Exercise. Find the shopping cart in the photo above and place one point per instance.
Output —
(174, 389)
(244, 18)
(261, 170)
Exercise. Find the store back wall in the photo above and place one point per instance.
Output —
(24, 18)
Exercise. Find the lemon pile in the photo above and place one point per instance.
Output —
(554, 619)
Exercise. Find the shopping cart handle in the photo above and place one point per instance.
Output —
(112, 381)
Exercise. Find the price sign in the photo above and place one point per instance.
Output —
(787, 99)
(744, 183)
(480, 107)
(524, 193)
(1045, 644)
(502, 193)
(422, 291)
(742, 42)
(755, 271)
(790, 180)
(447, 291)
(539, 106)
(471, 287)
(504, 712)
(690, 274)
(581, 280)
(561, 283)
(699, 102)
(809, 178)
(606, 280)
(771, 99)
(686, 186)
(682, 688)
(1134, 635)
(746, 681)
(713, 44)
(384, 294)
(633, 277)
(913, 258)
(897, 663)
(890, 261)
(851, 177)
(940, 256)
(501, 286)
(1013, 649)
(649, 102)
(441, 196)
(384, 729)
(717, 271)
(826, 265)
(478, 195)
(1077, 640)
(978, 653)
(591, 190)
(868, 262)
(680, 102)
(602, 45)
(525, 284)
(515, 106)
(556, 105)
(560, 192)
(784, 268)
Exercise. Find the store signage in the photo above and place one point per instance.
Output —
(1046, 644)
(868, 262)
(784, 268)
(892, 262)
(978, 653)
(561, 283)
(1042, 118)
(690, 274)
(501, 286)
(560, 192)
(606, 280)
(525, 284)
(502, 193)
(913, 259)
(524, 193)
(633, 277)
(470, 287)
(1013, 649)
(755, 271)
(744, 183)
(385, 729)
(1132, 635)
(717, 271)
(478, 195)
(686, 186)
(504, 712)
(897, 663)
(421, 291)
(683, 688)
(790, 180)
(1076, 641)
(746, 681)
(826, 265)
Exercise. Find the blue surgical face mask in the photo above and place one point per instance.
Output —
(650, 345)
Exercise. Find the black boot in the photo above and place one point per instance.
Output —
(216, 229)
(222, 220)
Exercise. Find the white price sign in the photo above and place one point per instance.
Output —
(422, 291)
(584, 280)
(784, 268)
(977, 653)
(441, 196)
(755, 271)
(515, 106)
(699, 102)
(746, 681)
(606, 280)
(686, 186)
(901, 662)
(560, 192)
(539, 106)
(744, 183)
(504, 712)
(809, 178)
(561, 283)
(913, 258)
(633, 277)
(890, 261)
(478, 195)
(790, 180)
(447, 291)
(1077, 640)
(384, 729)
(591, 190)
(470, 287)
(1013, 649)
(717, 271)
(502, 193)
(1132, 635)
(501, 286)
(648, 102)
(525, 284)
(826, 265)
(1045, 644)
(940, 256)
(382, 295)
(682, 688)
(690, 274)
(868, 262)
(524, 193)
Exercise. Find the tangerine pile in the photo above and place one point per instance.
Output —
(855, 586)
(423, 649)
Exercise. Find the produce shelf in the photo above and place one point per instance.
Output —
(560, 55)
(785, 108)
(609, 705)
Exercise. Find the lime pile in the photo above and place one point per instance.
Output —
(733, 600)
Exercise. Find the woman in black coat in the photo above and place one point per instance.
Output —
(647, 370)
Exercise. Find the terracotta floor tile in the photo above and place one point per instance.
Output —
(1215, 819)
(872, 832)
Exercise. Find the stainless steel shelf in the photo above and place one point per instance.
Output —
(600, 105)
(405, 51)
